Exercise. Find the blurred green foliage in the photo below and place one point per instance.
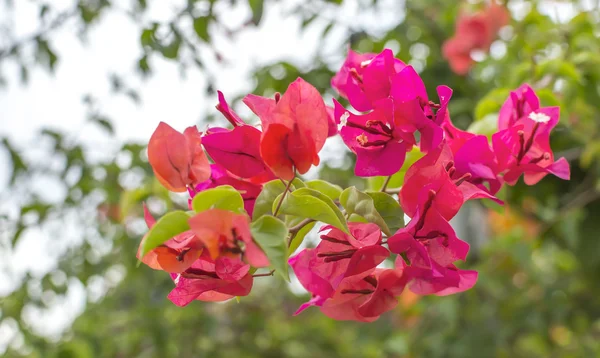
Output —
(538, 291)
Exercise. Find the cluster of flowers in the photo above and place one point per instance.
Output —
(216, 258)
(474, 31)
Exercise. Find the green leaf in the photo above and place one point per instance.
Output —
(389, 209)
(291, 221)
(223, 197)
(491, 103)
(270, 234)
(104, 123)
(357, 202)
(270, 192)
(331, 190)
(167, 227)
(201, 28)
(309, 203)
(487, 126)
(561, 68)
(257, 10)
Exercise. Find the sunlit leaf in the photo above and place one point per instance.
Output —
(167, 227)
(223, 197)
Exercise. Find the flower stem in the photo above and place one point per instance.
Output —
(385, 183)
(270, 273)
(287, 188)
(296, 228)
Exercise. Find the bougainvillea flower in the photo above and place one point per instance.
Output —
(226, 234)
(365, 299)
(473, 155)
(347, 81)
(175, 255)
(229, 113)
(407, 86)
(441, 281)
(519, 104)
(339, 256)
(294, 129)
(428, 238)
(378, 74)
(365, 78)
(331, 122)
(211, 280)
(476, 158)
(525, 149)
(248, 189)
(379, 138)
(474, 32)
(237, 150)
(177, 159)
(437, 169)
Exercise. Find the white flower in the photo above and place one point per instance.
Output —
(343, 120)
(539, 117)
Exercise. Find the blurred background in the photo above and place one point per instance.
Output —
(83, 83)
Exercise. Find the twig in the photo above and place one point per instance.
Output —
(294, 229)
(270, 273)
(287, 188)
(385, 183)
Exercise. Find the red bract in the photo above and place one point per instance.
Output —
(436, 171)
(339, 256)
(380, 138)
(525, 148)
(474, 32)
(365, 299)
(226, 234)
(177, 159)
(237, 150)
(175, 255)
(366, 78)
(522, 145)
(428, 239)
(211, 280)
(229, 113)
(519, 104)
(407, 86)
(248, 189)
(441, 281)
(294, 129)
